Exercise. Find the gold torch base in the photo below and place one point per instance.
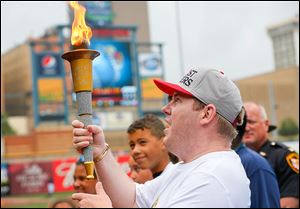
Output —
(89, 167)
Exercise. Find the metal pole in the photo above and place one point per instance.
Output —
(272, 101)
(34, 86)
(178, 27)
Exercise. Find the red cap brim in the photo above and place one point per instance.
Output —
(170, 88)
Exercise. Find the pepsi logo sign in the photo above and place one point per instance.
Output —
(48, 62)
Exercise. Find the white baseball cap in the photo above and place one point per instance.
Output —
(210, 87)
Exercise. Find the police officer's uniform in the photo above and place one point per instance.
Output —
(285, 163)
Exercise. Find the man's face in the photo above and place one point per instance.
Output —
(180, 119)
(147, 150)
(257, 128)
(81, 183)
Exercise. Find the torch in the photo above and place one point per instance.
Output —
(80, 58)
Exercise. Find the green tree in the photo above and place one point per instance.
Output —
(288, 127)
(6, 129)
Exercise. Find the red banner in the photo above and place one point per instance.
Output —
(63, 171)
(29, 178)
(123, 161)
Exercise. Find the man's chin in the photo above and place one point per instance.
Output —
(248, 140)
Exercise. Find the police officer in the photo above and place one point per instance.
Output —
(284, 161)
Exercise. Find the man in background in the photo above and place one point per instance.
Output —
(283, 160)
(81, 183)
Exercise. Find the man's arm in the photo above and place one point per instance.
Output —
(118, 186)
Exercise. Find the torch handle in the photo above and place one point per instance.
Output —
(84, 101)
(87, 151)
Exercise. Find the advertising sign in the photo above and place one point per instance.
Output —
(50, 103)
(63, 171)
(5, 188)
(98, 13)
(27, 178)
(112, 74)
(113, 67)
(113, 120)
(51, 97)
(150, 65)
(49, 64)
(149, 90)
(123, 161)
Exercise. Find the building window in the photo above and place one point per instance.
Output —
(284, 50)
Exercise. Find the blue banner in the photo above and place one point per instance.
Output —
(113, 67)
(98, 13)
(112, 74)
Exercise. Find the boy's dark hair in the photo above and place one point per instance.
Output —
(151, 122)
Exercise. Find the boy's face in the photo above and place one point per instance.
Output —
(147, 150)
(139, 174)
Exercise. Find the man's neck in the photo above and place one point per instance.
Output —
(259, 145)
(216, 148)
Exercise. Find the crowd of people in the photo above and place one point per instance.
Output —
(211, 150)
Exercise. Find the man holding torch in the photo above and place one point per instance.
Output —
(202, 117)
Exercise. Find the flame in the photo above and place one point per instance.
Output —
(80, 31)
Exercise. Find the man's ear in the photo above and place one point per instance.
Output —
(207, 114)
(267, 123)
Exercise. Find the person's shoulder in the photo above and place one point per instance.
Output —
(287, 154)
(254, 155)
(254, 159)
(280, 145)
(273, 146)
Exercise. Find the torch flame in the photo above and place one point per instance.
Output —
(80, 31)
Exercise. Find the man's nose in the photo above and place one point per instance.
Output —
(166, 109)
